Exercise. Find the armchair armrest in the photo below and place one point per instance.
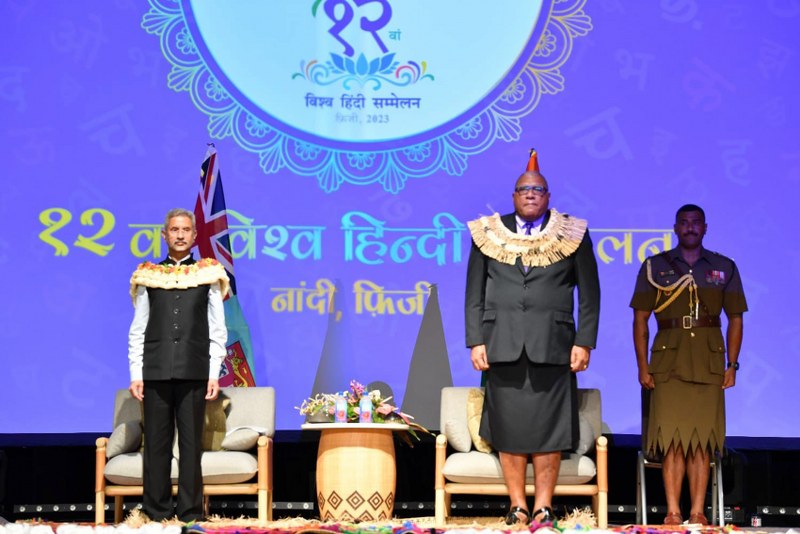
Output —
(441, 456)
(100, 464)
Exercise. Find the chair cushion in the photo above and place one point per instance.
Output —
(586, 437)
(126, 437)
(252, 407)
(126, 469)
(480, 468)
(457, 435)
(240, 439)
(228, 467)
(215, 427)
(474, 411)
(219, 467)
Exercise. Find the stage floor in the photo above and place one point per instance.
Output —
(135, 522)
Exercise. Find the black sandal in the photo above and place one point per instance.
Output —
(545, 514)
(512, 518)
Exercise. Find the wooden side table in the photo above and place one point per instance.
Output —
(356, 471)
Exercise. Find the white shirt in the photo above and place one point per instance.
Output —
(217, 332)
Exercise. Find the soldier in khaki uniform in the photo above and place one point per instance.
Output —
(687, 288)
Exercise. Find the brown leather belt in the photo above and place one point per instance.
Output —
(687, 322)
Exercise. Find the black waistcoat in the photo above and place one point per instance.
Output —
(176, 340)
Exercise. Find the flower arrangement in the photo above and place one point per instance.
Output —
(322, 406)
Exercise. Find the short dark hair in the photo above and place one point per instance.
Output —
(690, 207)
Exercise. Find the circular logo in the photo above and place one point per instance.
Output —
(365, 91)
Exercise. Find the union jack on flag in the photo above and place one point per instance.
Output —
(213, 241)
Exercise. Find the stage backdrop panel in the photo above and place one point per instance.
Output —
(356, 139)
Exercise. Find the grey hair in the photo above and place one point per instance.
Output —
(179, 212)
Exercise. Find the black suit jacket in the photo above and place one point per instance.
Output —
(508, 309)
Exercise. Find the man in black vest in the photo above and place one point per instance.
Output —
(176, 345)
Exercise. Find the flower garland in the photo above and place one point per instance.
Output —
(558, 240)
(207, 271)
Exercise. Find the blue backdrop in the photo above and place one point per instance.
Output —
(360, 174)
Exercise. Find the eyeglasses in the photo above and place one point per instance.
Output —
(537, 190)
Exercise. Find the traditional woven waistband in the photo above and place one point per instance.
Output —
(688, 322)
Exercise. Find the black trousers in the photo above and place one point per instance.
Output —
(169, 404)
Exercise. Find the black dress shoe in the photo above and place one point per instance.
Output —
(512, 518)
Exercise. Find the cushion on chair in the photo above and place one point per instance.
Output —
(458, 435)
(219, 467)
(247, 408)
(474, 411)
(240, 439)
(228, 467)
(480, 468)
(586, 437)
(126, 469)
(126, 437)
(215, 427)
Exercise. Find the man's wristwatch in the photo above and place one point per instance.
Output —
(733, 365)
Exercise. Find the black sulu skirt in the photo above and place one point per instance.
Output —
(530, 407)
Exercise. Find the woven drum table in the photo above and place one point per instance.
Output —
(356, 470)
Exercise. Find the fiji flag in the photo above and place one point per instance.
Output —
(213, 241)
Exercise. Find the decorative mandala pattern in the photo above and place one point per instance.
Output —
(332, 167)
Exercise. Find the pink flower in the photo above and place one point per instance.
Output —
(385, 409)
(358, 388)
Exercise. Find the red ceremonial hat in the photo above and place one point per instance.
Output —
(533, 162)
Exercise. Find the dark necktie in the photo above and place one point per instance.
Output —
(528, 226)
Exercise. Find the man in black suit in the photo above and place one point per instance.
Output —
(522, 272)
(176, 345)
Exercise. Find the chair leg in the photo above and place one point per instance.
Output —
(117, 509)
(714, 509)
(264, 506)
(99, 507)
(718, 493)
(440, 508)
(600, 509)
(641, 491)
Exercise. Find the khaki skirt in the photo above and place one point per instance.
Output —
(688, 414)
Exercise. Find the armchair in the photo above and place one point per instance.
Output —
(241, 466)
(464, 470)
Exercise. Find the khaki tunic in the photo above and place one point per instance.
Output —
(688, 365)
